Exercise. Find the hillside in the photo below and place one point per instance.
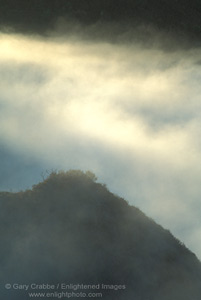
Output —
(182, 18)
(70, 229)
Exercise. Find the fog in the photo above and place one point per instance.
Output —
(129, 113)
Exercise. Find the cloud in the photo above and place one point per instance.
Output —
(128, 113)
(19, 171)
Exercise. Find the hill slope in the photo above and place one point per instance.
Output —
(70, 229)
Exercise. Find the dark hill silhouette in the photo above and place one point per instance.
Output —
(70, 229)
(181, 17)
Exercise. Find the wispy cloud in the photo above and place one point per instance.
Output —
(130, 114)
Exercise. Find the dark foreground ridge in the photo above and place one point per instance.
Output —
(70, 230)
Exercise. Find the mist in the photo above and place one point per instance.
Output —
(127, 111)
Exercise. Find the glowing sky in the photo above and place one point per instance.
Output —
(130, 114)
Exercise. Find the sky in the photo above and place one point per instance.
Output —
(128, 112)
